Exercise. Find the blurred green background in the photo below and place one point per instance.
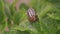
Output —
(13, 21)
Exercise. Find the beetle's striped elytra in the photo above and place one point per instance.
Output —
(31, 15)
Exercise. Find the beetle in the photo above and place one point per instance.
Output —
(32, 17)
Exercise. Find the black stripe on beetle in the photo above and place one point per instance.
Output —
(32, 17)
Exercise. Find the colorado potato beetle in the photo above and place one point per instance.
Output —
(32, 17)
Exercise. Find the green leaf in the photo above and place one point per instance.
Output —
(1, 11)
